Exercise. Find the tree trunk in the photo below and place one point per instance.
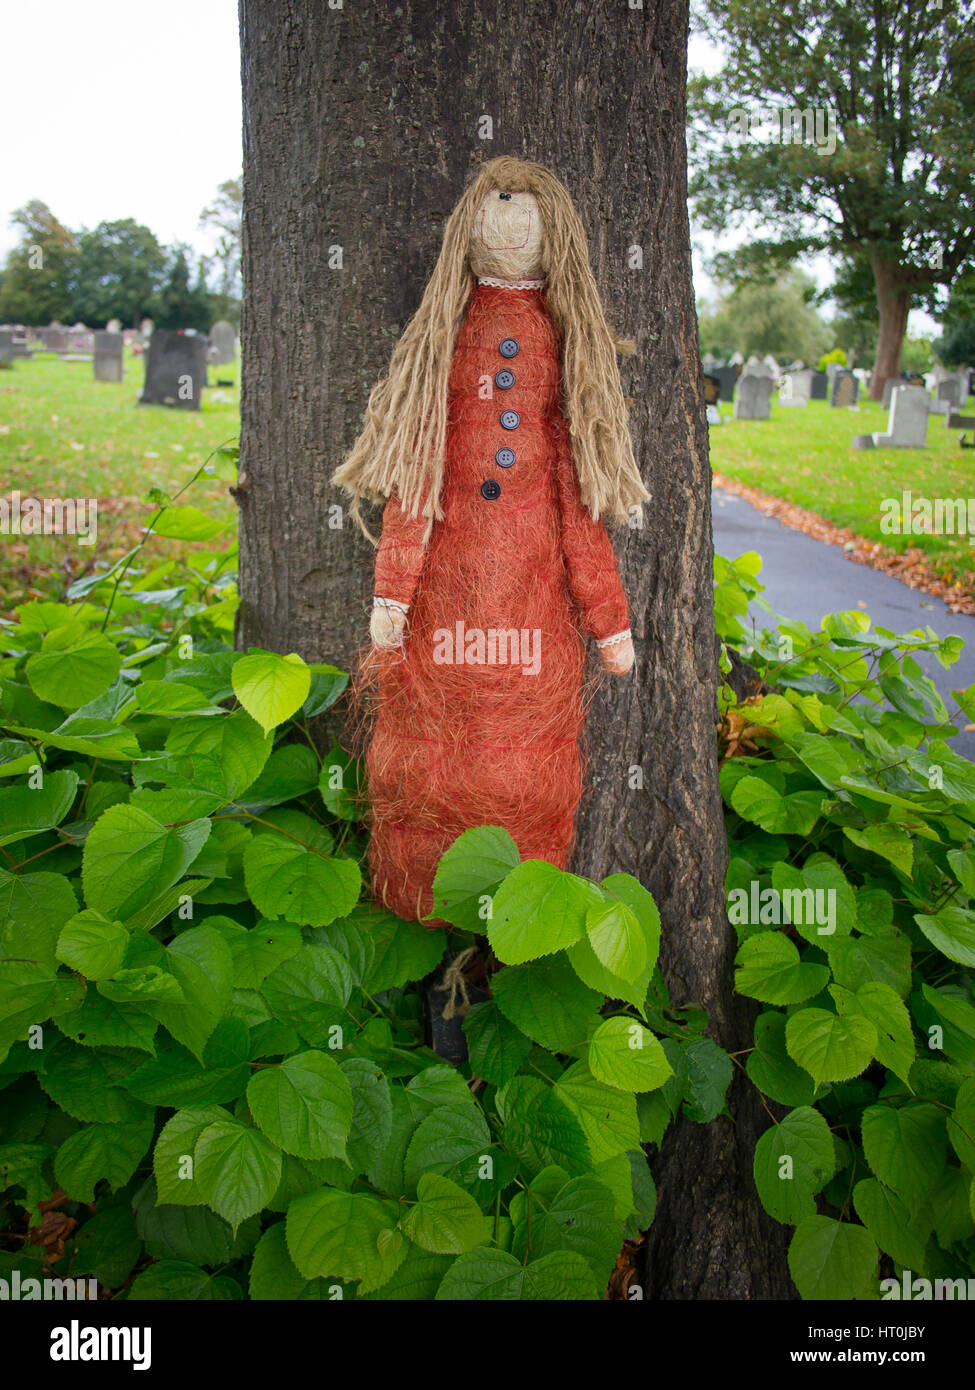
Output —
(893, 304)
(361, 126)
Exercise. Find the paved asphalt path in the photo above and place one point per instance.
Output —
(806, 579)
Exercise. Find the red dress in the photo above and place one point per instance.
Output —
(480, 712)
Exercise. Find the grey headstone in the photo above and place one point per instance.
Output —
(713, 415)
(796, 388)
(845, 389)
(176, 367)
(863, 441)
(6, 344)
(223, 343)
(728, 379)
(889, 385)
(108, 356)
(957, 421)
(820, 384)
(907, 427)
(113, 326)
(756, 367)
(950, 390)
(754, 397)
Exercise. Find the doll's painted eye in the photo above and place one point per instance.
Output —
(505, 196)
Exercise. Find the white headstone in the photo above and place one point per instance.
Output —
(907, 427)
(753, 401)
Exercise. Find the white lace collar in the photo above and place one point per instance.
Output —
(510, 284)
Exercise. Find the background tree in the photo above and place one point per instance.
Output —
(119, 270)
(223, 217)
(898, 80)
(775, 315)
(956, 347)
(178, 304)
(35, 283)
(361, 126)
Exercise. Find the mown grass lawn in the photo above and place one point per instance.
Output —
(805, 457)
(65, 435)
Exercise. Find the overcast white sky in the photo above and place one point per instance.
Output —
(122, 108)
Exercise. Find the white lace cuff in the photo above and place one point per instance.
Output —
(616, 637)
(390, 603)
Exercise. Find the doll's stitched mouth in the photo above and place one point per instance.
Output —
(505, 245)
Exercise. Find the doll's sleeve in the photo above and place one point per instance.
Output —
(399, 558)
(593, 576)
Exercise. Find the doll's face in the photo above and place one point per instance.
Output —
(507, 238)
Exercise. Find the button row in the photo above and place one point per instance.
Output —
(510, 420)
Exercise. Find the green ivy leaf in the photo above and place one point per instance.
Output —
(492, 1275)
(271, 687)
(769, 969)
(334, 1234)
(30, 811)
(627, 1056)
(469, 874)
(905, 1148)
(304, 1105)
(952, 931)
(877, 1002)
(446, 1220)
(832, 1259)
(92, 944)
(129, 859)
(68, 672)
(237, 1170)
(287, 879)
(828, 1047)
(496, 1047)
(537, 911)
(547, 1001)
(793, 1161)
(100, 1151)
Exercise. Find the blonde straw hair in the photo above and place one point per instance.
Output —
(402, 445)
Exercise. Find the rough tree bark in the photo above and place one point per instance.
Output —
(893, 307)
(361, 126)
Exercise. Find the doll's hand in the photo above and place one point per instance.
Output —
(386, 627)
(618, 657)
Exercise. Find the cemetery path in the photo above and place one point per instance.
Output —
(806, 578)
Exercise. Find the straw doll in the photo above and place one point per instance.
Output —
(498, 443)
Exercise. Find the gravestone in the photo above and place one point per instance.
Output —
(957, 421)
(108, 356)
(735, 360)
(6, 345)
(113, 326)
(889, 385)
(20, 344)
(754, 397)
(772, 365)
(950, 390)
(756, 367)
(55, 339)
(145, 331)
(907, 427)
(712, 389)
(81, 344)
(796, 388)
(915, 379)
(845, 390)
(223, 343)
(820, 385)
(176, 366)
(727, 378)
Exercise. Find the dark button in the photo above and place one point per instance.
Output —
(504, 458)
(504, 380)
(510, 419)
(508, 347)
(491, 489)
